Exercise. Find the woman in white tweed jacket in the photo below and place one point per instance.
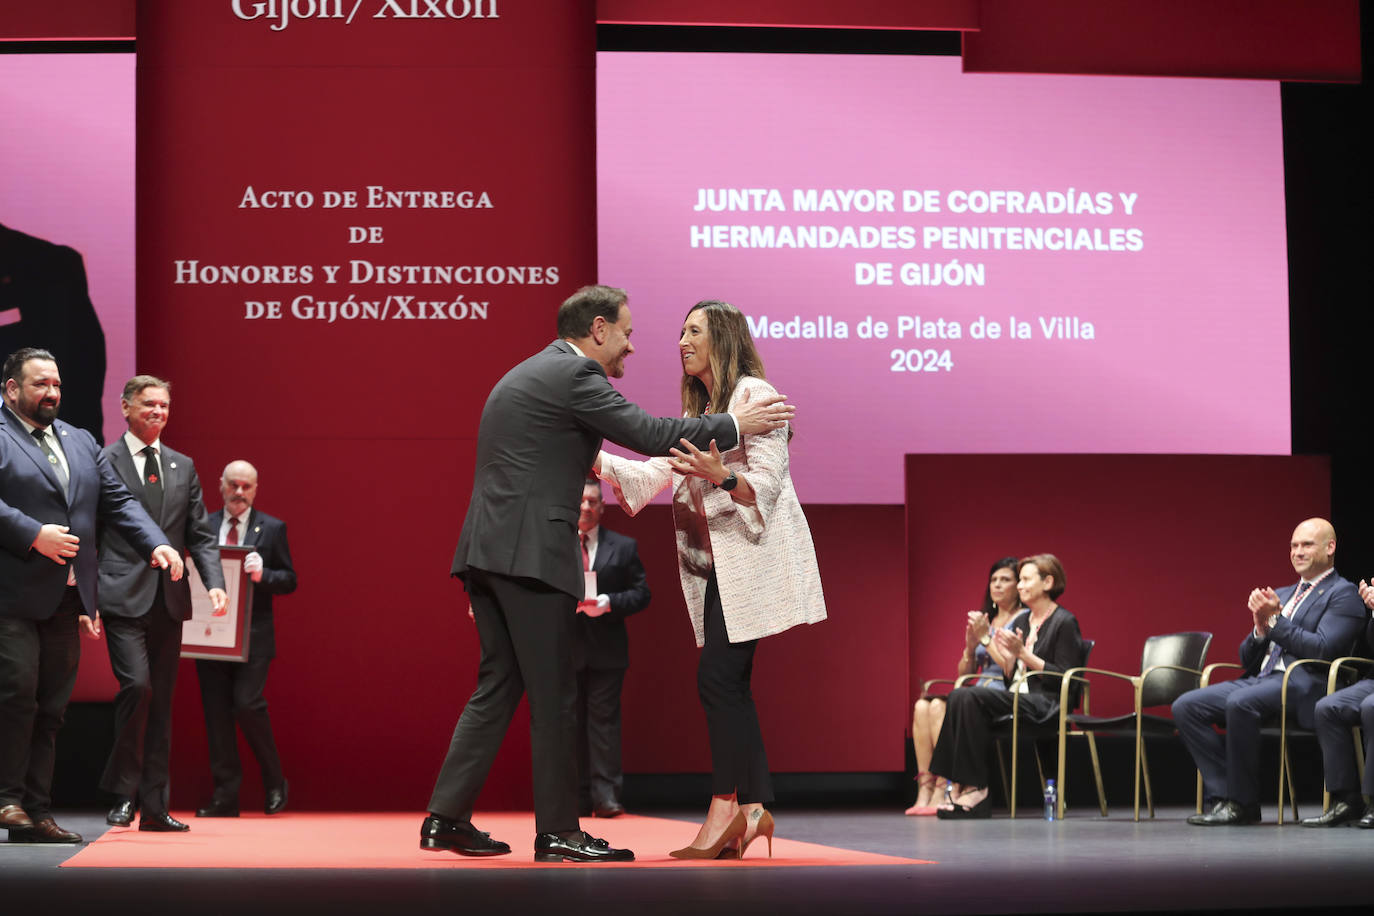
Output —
(746, 560)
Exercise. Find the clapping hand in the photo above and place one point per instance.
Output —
(1263, 604)
(1009, 641)
(1367, 594)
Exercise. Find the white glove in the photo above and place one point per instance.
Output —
(252, 564)
(602, 605)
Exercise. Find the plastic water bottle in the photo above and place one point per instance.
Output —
(1051, 800)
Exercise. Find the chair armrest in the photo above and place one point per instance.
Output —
(936, 682)
(1069, 677)
(1340, 664)
(1075, 672)
(1288, 672)
(963, 679)
(1214, 666)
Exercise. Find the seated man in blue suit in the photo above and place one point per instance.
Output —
(1319, 617)
(55, 484)
(1336, 716)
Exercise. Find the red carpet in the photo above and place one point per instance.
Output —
(352, 841)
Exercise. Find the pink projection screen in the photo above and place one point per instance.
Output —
(937, 262)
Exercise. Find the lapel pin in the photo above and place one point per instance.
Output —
(173, 465)
(257, 528)
(61, 432)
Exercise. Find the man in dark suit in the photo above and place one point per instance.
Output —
(1319, 617)
(231, 691)
(54, 485)
(540, 432)
(143, 611)
(601, 651)
(44, 303)
(1337, 715)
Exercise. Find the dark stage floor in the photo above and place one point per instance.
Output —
(1081, 864)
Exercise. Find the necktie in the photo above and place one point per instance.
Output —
(61, 472)
(152, 482)
(233, 536)
(1275, 650)
(586, 557)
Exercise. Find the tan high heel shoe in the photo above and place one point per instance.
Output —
(764, 828)
(733, 831)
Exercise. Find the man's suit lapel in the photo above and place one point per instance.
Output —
(29, 446)
(1313, 603)
(77, 465)
(123, 464)
(252, 529)
(605, 551)
(174, 478)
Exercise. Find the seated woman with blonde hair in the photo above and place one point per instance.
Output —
(981, 657)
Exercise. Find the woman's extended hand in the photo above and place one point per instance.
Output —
(693, 462)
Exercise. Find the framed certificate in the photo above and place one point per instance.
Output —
(222, 636)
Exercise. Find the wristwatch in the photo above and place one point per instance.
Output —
(986, 639)
(730, 482)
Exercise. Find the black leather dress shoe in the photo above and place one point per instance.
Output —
(161, 823)
(44, 830)
(580, 847)
(1227, 814)
(122, 814)
(463, 838)
(276, 800)
(610, 809)
(1366, 822)
(1340, 813)
(218, 809)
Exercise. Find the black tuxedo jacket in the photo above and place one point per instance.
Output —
(31, 496)
(266, 535)
(128, 584)
(602, 641)
(541, 428)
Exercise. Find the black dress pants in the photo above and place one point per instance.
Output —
(526, 631)
(230, 694)
(144, 655)
(598, 735)
(739, 763)
(38, 662)
(961, 753)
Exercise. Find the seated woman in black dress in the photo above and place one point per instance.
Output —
(1044, 637)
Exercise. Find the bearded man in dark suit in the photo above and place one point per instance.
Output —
(55, 484)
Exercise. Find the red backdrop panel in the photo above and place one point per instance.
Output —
(868, 14)
(362, 427)
(1150, 543)
(1256, 39)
